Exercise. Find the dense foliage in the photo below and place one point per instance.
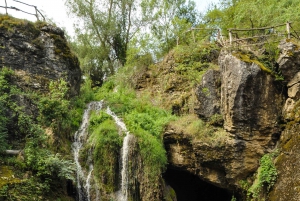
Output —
(142, 120)
(251, 13)
(43, 164)
(108, 30)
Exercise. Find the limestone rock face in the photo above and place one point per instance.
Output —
(209, 93)
(251, 104)
(38, 54)
(293, 96)
(287, 165)
(250, 100)
(289, 60)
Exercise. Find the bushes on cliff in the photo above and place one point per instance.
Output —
(105, 144)
(7, 90)
(142, 120)
(265, 178)
(37, 159)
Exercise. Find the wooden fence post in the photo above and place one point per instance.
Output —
(6, 7)
(288, 29)
(230, 37)
(193, 34)
(36, 14)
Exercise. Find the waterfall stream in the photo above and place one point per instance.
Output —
(123, 194)
(80, 138)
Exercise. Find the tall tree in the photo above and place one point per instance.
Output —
(172, 19)
(106, 27)
(104, 30)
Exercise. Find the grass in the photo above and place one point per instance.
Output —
(200, 130)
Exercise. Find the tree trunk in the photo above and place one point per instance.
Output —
(12, 152)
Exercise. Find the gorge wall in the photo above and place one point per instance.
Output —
(37, 53)
(231, 109)
(259, 116)
(32, 56)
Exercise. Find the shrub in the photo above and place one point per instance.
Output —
(265, 178)
(106, 143)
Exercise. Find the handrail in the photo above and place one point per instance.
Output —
(290, 32)
(37, 12)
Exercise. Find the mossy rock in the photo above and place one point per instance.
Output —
(7, 177)
(250, 58)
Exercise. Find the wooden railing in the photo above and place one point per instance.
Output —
(36, 14)
(242, 37)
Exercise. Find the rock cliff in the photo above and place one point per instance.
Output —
(37, 53)
(255, 107)
(251, 104)
(38, 77)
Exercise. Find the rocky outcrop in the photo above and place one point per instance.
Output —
(251, 103)
(209, 94)
(289, 60)
(38, 53)
(250, 100)
(288, 161)
(287, 165)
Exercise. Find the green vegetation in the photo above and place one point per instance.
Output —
(265, 178)
(246, 14)
(5, 96)
(106, 143)
(142, 120)
(40, 168)
(103, 43)
(266, 62)
(200, 130)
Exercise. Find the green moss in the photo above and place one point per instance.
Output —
(62, 49)
(249, 58)
(7, 176)
(169, 193)
(11, 24)
(105, 142)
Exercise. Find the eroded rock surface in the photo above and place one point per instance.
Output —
(251, 104)
(289, 60)
(38, 54)
(209, 93)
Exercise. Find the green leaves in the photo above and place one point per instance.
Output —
(7, 90)
(247, 13)
(266, 177)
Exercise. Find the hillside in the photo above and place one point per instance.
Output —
(208, 122)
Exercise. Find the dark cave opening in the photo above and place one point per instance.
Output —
(189, 187)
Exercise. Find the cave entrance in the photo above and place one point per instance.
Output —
(189, 187)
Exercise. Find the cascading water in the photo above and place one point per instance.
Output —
(123, 194)
(80, 138)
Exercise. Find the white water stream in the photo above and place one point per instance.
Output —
(83, 179)
(83, 185)
(123, 194)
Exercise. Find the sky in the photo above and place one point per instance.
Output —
(57, 12)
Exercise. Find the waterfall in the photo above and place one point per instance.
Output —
(80, 138)
(123, 194)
